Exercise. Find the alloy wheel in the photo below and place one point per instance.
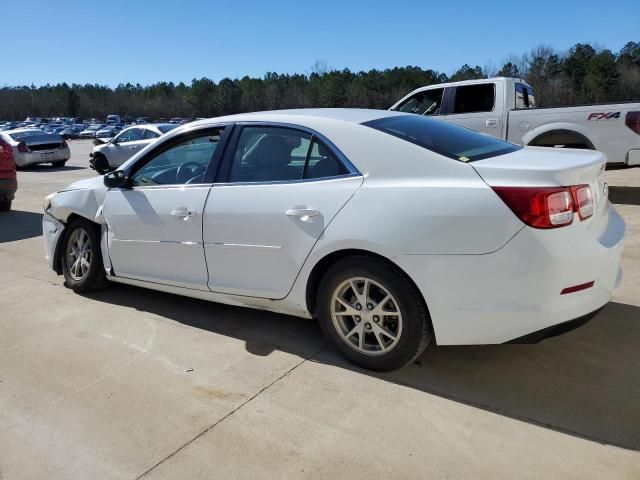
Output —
(78, 254)
(366, 316)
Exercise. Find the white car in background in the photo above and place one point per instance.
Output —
(109, 156)
(32, 146)
(392, 229)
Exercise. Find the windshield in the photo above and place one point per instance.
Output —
(442, 137)
(26, 133)
(166, 128)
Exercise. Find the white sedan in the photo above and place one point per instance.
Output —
(110, 155)
(394, 230)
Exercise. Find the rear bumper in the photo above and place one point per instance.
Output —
(555, 330)
(8, 187)
(35, 158)
(515, 291)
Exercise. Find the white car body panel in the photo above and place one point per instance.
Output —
(602, 125)
(252, 228)
(486, 277)
(165, 247)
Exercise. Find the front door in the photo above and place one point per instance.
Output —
(281, 188)
(155, 227)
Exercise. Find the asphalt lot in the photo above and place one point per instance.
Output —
(131, 383)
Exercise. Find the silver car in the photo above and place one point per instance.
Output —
(32, 146)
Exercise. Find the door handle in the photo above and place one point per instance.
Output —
(183, 212)
(303, 213)
(491, 123)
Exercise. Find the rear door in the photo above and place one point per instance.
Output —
(477, 106)
(279, 189)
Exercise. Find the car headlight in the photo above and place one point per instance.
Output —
(47, 201)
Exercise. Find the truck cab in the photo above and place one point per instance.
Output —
(481, 105)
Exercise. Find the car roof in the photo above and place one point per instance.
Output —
(303, 115)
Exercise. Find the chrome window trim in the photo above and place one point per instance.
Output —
(279, 182)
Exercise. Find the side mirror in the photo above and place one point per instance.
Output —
(117, 179)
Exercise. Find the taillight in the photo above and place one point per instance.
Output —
(22, 147)
(633, 121)
(64, 144)
(7, 163)
(547, 207)
(582, 200)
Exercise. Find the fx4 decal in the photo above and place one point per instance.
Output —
(603, 116)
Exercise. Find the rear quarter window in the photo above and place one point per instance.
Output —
(441, 137)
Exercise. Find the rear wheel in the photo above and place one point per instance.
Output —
(82, 265)
(59, 163)
(373, 314)
(5, 205)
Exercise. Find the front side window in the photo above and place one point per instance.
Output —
(474, 98)
(442, 137)
(183, 163)
(423, 103)
(130, 135)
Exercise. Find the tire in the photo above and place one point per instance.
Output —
(82, 279)
(59, 163)
(409, 333)
(5, 205)
(100, 164)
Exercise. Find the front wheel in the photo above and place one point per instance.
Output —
(82, 265)
(373, 314)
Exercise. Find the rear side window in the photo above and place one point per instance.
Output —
(474, 98)
(442, 137)
(149, 134)
(423, 103)
(524, 97)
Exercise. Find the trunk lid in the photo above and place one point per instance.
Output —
(551, 167)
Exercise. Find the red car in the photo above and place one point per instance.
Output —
(8, 181)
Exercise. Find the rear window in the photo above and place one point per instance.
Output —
(442, 137)
(27, 133)
(474, 98)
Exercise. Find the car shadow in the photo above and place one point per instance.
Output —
(585, 383)
(624, 195)
(50, 168)
(19, 225)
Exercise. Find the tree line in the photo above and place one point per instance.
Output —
(583, 74)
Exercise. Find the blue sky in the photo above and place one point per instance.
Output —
(114, 41)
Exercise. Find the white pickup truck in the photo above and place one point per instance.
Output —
(505, 108)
